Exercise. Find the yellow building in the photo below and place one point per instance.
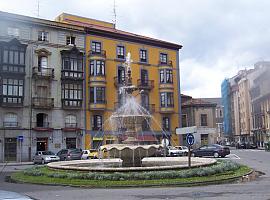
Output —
(155, 70)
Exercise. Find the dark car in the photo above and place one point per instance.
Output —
(70, 154)
(211, 150)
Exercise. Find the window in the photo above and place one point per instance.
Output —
(166, 99)
(143, 55)
(71, 40)
(184, 120)
(12, 90)
(163, 58)
(72, 94)
(166, 123)
(70, 121)
(166, 76)
(10, 120)
(203, 119)
(13, 32)
(96, 47)
(120, 50)
(72, 66)
(42, 36)
(97, 122)
(97, 68)
(97, 95)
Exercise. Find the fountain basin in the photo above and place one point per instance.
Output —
(115, 165)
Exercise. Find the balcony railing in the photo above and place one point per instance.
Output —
(72, 103)
(42, 102)
(98, 105)
(149, 107)
(10, 124)
(145, 84)
(43, 72)
(118, 81)
(168, 63)
(69, 74)
(70, 125)
(101, 53)
(42, 126)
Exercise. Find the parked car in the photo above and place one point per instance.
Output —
(183, 149)
(211, 150)
(43, 157)
(172, 151)
(246, 145)
(70, 154)
(89, 154)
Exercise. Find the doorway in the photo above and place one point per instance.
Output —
(42, 120)
(144, 77)
(42, 144)
(121, 75)
(10, 149)
(71, 143)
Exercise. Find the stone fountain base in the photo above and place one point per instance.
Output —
(130, 154)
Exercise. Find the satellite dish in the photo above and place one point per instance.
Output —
(165, 142)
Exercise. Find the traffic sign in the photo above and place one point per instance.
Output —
(20, 138)
(190, 139)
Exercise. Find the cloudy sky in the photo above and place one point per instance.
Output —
(219, 37)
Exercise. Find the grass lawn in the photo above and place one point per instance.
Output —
(197, 180)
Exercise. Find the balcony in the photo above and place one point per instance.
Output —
(71, 103)
(98, 105)
(97, 78)
(11, 101)
(10, 125)
(42, 126)
(46, 73)
(119, 81)
(167, 64)
(43, 103)
(166, 109)
(73, 75)
(99, 54)
(70, 127)
(149, 107)
(145, 84)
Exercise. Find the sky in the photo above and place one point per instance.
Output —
(219, 37)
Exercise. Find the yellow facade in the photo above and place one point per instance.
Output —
(109, 44)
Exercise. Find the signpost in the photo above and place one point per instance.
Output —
(20, 139)
(190, 141)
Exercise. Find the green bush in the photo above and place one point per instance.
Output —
(219, 167)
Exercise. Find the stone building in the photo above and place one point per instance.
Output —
(202, 114)
(41, 86)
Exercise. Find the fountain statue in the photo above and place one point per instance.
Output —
(127, 122)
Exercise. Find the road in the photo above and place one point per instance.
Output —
(258, 189)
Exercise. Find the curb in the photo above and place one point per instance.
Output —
(16, 164)
(213, 182)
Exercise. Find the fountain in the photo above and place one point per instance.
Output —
(129, 154)
(127, 121)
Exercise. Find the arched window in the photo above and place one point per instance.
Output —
(70, 121)
(10, 120)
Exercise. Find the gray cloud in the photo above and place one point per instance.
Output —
(219, 37)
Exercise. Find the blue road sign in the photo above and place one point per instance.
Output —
(190, 139)
(20, 138)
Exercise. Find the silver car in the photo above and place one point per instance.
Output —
(43, 157)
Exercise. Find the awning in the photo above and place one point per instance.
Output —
(97, 138)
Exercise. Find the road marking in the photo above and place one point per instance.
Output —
(235, 156)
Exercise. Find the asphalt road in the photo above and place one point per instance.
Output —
(258, 189)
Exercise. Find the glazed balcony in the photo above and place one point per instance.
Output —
(70, 74)
(46, 73)
(97, 78)
(43, 102)
(11, 101)
(42, 126)
(72, 104)
(98, 105)
(145, 84)
(99, 54)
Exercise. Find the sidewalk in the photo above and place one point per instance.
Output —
(15, 163)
